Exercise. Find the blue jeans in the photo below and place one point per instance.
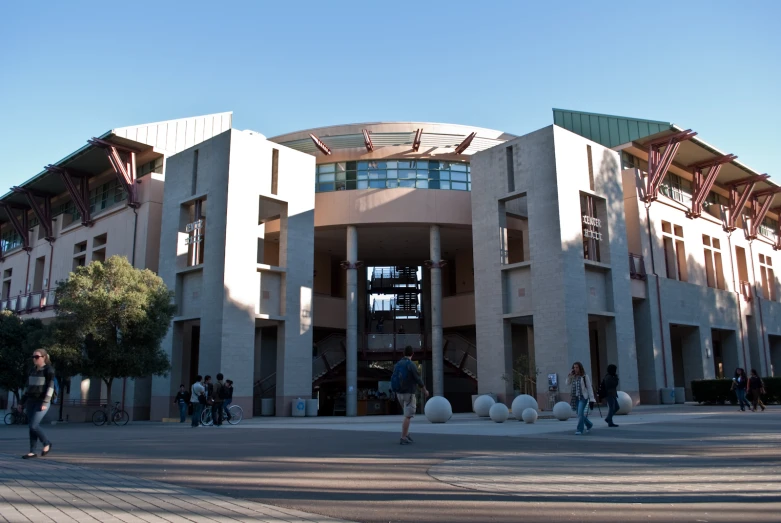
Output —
(742, 398)
(612, 407)
(182, 411)
(197, 410)
(583, 415)
(35, 416)
(225, 406)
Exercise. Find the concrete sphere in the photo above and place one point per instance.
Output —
(499, 412)
(523, 402)
(562, 411)
(438, 410)
(624, 403)
(483, 405)
(529, 415)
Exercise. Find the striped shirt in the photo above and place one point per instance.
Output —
(40, 385)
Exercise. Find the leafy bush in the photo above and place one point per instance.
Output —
(717, 392)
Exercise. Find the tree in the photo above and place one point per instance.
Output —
(116, 316)
(18, 340)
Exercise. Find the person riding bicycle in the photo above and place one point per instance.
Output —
(227, 394)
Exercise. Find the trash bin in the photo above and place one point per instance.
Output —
(267, 407)
(311, 407)
(680, 395)
(298, 408)
(667, 395)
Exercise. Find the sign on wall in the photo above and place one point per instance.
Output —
(195, 231)
(591, 228)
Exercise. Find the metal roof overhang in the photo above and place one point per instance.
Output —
(695, 151)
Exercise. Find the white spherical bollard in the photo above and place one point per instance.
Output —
(499, 412)
(529, 415)
(523, 402)
(624, 403)
(438, 410)
(483, 405)
(562, 411)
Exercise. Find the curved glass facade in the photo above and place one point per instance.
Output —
(389, 174)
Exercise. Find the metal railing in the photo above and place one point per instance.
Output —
(392, 342)
(458, 352)
(30, 302)
(636, 267)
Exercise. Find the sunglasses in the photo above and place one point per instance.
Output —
(37, 356)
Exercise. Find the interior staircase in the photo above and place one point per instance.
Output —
(460, 354)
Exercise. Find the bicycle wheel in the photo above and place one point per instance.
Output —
(10, 418)
(120, 417)
(206, 417)
(99, 418)
(236, 414)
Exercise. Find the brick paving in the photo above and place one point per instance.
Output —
(41, 490)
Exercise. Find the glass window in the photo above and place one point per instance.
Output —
(407, 174)
(351, 166)
(362, 166)
(458, 186)
(433, 184)
(433, 175)
(422, 184)
(326, 187)
(422, 164)
(376, 175)
(325, 168)
(326, 177)
(458, 167)
(444, 175)
(340, 186)
(392, 184)
(362, 175)
(363, 184)
(423, 175)
(340, 176)
(392, 173)
(406, 183)
(406, 165)
(341, 167)
(392, 164)
(457, 176)
(444, 185)
(351, 175)
(433, 164)
(376, 184)
(351, 186)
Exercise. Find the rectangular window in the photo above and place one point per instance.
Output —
(590, 168)
(768, 278)
(674, 252)
(195, 172)
(714, 270)
(274, 170)
(592, 227)
(510, 170)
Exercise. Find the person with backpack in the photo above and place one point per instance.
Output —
(581, 396)
(755, 389)
(608, 390)
(37, 399)
(404, 383)
(217, 394)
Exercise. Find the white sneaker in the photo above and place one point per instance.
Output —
(588, 430)
(578, 433)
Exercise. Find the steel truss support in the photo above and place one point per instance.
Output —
(759, 210)
(367, 140)
(123, 161)
(703, 184)
(417, 140)
(322, 147)
(738, 200)
(43, 213)
(21, 227)
(659, 162)
(465, 144)
(78, 193)
(777, 245)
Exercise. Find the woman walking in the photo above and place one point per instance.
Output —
(37, 398)
(739, 385)
(755, 389)
(582, 395)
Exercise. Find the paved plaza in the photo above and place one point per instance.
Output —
(672, 463)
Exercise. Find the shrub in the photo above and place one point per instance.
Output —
(717, 392)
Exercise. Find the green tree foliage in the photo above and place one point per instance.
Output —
(116, 316)
(18, 340)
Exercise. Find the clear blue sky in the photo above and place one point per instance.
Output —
(72, 70)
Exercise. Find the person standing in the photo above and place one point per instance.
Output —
(405, 382)
(227, 394)
(198, 399)
(739, 385)
(611, 394)
(581, 396)
(181, 401)
(755, 389)
(36, 400)
(218, 400)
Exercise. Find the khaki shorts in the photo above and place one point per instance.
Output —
(409, 404)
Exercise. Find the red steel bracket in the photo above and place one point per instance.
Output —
(759, 210)
(659, 162)
(737, 200)
(367, 141)
(416, 141)
(465, 144)
(777, 245)
(123, 161)
(21, 227)
(703, 184)
(79, 194)
(43, 213)
(320, 145)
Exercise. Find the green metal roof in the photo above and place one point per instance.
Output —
(610, 131)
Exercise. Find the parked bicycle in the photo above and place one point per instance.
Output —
(234, 417)
(117, 415)
(16, 417)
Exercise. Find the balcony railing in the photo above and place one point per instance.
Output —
(30, 302)
(636, 267)
(392, 342)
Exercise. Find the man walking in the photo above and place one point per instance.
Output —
(405, 382)
(181, 401)
(218, 399)
(198, 399)
(611, 394)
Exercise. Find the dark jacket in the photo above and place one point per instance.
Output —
(228, 393)
(755, 383)
(40, 386)
(410, 386)
(611, 382)
(216, 393)
(182, 396)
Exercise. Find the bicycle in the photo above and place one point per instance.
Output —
(16, 417)
(234, 417)
(117, 416)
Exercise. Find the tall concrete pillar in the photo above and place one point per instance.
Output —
(352, 321)
(437, 360)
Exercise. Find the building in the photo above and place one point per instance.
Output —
(303, 264)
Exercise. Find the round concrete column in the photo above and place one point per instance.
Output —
(352, 321)
(437, 359)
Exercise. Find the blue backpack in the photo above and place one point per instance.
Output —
(400, 375)
(56, 396)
